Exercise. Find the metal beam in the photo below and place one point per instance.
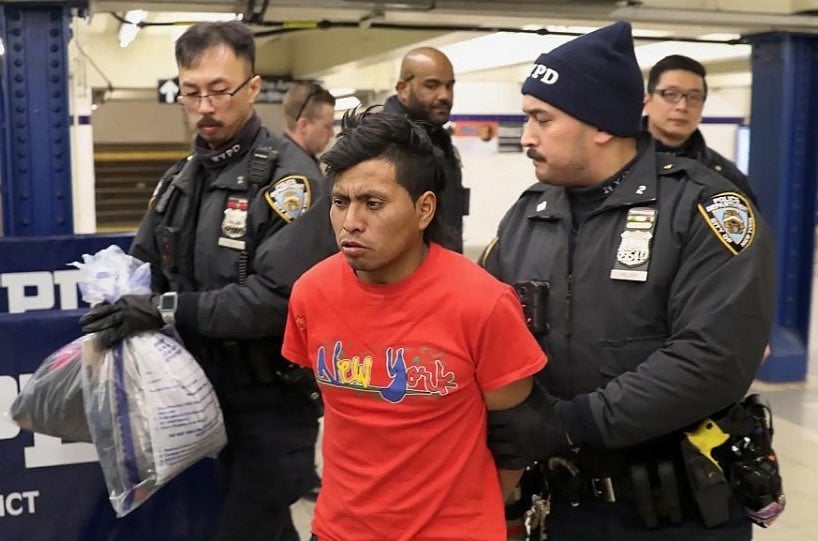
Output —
(784, 175)
(35, 156)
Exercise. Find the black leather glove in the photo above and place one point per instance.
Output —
(129, 315)
(528, 432)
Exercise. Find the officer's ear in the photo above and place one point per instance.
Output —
(402, 90)
(601, 137)
(254, 87)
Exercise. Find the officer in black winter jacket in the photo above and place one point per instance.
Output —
(651, 280)
(228, 231)
(425, 92)
(677, 90)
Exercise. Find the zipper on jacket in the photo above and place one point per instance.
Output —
(569, 301)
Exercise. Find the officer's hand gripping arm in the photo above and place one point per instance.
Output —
(530, 431)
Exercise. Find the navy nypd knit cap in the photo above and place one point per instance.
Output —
(594, 78)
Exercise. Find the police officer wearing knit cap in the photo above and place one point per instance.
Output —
(650, 285)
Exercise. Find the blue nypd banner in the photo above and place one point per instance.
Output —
(50, 488)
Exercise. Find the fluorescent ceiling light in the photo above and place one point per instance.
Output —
(129, 30)
(349, 102)
(341, 91)
(721, 36)
(647, 33)
(570, 29)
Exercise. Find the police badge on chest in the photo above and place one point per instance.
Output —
(234, 224)
(633, 253)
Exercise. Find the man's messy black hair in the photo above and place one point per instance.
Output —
(371, 134)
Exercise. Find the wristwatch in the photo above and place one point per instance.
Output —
(167, 307)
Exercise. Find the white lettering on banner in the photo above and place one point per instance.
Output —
(50, 451)
(15, 504)
(8, 392)
(47, 450)
(43, 282)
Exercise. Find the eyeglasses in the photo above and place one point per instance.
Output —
(315, 88)
(192, 101)
(673, 95)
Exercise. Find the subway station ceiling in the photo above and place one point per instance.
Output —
(359, 43)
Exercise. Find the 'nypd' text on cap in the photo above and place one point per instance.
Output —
(594, 78)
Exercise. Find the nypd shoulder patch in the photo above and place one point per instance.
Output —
(289, 197)
(731, 218)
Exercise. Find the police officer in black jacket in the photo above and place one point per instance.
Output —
(425, 92)
(228, 231)
(658, 280)
(677, 90)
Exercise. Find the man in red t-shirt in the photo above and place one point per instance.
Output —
(411, 345)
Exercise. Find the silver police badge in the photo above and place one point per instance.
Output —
(731, 218)
(290, 197)
(633, 253)
(234, 224)
(634, 250)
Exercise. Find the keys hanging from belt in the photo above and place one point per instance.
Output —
(535, 517)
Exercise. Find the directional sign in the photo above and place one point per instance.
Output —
(168, 90)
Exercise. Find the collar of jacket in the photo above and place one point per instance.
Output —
(233, 151)
(637, 188)
(313, 157)
(232, 177)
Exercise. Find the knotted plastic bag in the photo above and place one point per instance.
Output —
(151, 411)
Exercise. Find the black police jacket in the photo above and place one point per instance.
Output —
(235, 329)
(696, 148)
(454, 202)
(635, 360)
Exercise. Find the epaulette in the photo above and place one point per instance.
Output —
(669, 165)
(163, 184)
(537, 187)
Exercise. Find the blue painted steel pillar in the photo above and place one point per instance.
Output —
(34, 137)
(784, 174)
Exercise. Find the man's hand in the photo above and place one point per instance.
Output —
(530, 431)
(129, 315)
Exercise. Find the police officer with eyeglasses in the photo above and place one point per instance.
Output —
(674, 102)
(228, 231)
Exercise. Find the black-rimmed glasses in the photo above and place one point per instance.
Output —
(192, 100)
(315, 88)
(674, 95)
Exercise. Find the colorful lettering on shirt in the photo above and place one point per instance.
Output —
(351, 372)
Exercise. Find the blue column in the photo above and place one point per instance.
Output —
(784, 174)
(34, 137)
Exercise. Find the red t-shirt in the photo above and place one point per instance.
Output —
(403, 368)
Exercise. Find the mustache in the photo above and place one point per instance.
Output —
(532, 154)
(208, 121)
